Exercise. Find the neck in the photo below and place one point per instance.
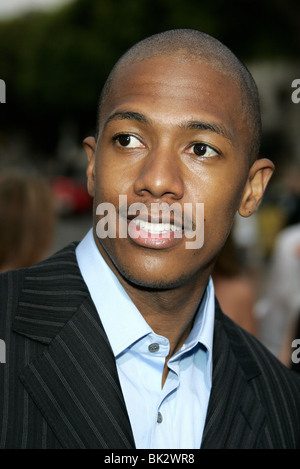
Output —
(169, 312)
(166, 309)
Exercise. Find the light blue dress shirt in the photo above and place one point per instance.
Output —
(171, 417)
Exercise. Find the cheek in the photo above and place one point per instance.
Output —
(220, 206)
(113, 178)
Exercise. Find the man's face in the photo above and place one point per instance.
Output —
(171, 131)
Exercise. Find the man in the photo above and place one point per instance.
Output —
(117, 342)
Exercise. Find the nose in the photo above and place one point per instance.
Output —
(160, 175)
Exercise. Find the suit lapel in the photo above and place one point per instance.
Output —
(235, 418)
(74, 382)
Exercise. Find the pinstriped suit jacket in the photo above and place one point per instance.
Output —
(59, 387)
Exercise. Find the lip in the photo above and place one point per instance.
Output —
(165, 217)
(153, 240)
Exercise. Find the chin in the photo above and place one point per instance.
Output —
(145, 278)
(151, 281)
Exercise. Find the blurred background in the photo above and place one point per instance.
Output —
(54, 58)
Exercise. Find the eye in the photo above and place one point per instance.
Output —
(201, 149)
(128, 141)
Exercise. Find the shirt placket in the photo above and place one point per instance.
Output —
(162, 419)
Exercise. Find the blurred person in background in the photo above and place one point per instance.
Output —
(234, 286)
(278, 309)
(27, 219)
(279, 306)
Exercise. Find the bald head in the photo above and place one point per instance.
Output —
(189, 45)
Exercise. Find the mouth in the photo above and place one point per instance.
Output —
(156, 228)
(154, 234)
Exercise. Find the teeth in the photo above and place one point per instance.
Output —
(155, 228)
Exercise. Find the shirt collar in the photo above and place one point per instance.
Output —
(115, 307)
(203, 327)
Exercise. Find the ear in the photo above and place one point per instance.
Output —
(258, 178)
(89, 144)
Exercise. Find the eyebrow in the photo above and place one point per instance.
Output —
(209, 126)
(129, 115)
(219, 129)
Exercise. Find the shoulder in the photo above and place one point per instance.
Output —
(248, 349)
(62, 257)
(55, 269)
(276, 386)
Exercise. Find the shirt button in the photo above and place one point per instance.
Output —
(159, 417)
(153, 348)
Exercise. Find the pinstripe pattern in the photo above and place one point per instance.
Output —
(265, 395)
(60, 388)
(226, 423)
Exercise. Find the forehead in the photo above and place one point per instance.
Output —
(175, 88)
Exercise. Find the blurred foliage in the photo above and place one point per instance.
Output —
(55, 64)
